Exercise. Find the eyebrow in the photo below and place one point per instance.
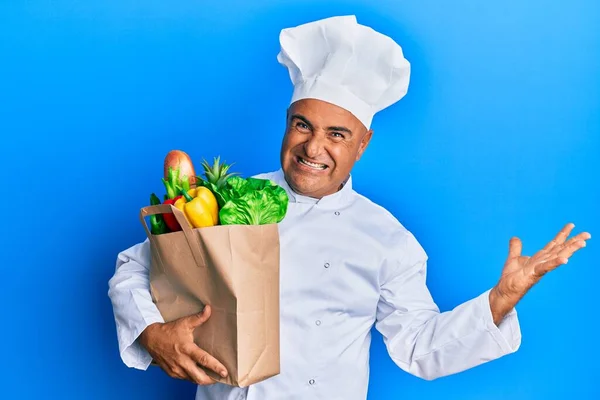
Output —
(331, 128)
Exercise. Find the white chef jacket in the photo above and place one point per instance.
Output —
(346, 265)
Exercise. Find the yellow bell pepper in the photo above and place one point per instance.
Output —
(199, 206)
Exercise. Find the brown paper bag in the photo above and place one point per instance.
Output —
(235, 269)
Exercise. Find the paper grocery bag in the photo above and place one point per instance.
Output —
(234, 269)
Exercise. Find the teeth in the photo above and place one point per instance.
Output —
(313, 165)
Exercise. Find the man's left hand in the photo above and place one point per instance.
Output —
(520, 272)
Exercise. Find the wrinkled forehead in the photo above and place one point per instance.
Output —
(323, 114)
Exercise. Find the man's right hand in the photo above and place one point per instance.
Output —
(172, 347)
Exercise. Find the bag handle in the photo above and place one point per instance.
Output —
(190, 235)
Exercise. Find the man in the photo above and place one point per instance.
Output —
(346, 263)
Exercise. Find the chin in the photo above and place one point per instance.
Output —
(307, 185)
(305, 180)
(302, 182)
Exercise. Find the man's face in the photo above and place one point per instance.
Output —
(321, 144)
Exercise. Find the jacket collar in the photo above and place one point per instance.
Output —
(335, 200)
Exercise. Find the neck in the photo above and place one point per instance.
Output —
(315, 197)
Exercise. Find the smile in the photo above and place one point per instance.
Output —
(312, 165)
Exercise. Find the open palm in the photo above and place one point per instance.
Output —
(520, 272)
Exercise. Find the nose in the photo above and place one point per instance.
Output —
(313, 146)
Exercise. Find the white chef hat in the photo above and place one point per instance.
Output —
(344, 63)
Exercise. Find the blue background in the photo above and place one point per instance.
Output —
(498, 136)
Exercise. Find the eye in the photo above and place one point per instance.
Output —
(338, 135)
(302, 126)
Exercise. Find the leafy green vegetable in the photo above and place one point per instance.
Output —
(250, 201)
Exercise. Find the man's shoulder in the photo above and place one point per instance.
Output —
(390, 228)
(378, 212)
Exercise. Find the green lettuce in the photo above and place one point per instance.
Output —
(250, 201)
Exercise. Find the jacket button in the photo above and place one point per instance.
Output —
(337, 213)
(326, 265)
(312, 382)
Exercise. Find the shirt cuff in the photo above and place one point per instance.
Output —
(133, 354)
(508, 333)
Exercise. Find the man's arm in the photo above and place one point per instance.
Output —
(134, 310)
(143, 335)
(429, 344)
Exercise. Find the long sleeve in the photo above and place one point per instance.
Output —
(430, 344)
(129, 292)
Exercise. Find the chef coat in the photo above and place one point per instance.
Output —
(347, 264)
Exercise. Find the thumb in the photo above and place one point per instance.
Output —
(514, 247)
(198, 319)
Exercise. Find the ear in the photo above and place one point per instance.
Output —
(364, 143)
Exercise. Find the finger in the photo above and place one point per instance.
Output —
(580, 237)
(568, 251)
(195, 320)
(206, 360)
(197, 375)
(561, 236)
(541, 255)
(547, 266)
(514, 247)
(541, 258)
(176, 372)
